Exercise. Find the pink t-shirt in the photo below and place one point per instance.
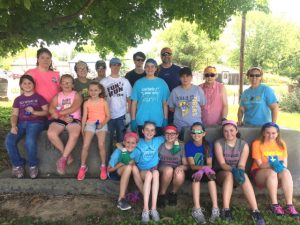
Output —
(47, 83)
(212, 110)
(65, 101)
(95, 111)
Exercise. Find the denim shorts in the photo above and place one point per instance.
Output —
(91, 127)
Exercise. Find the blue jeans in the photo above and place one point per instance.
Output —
(32, 131)
(117, 125)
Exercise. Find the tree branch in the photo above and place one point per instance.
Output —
(57, 20)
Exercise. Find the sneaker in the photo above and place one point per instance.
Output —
(155, 215)
(277, 210)
(18, 171)
(172, 198)
(198, 216)
(123, 204)
(103, 172)
(257, 218)
(61, 165)
(215, 214)
(81, 172)
(161, 201)
(145, 217)
(292, 211)
(226, 215)
(33, 172)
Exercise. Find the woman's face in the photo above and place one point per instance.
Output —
(270, 134)
(27, 85)
(210, 78)
(130, 143)
(255, 78)
(81, 70)
(197, 133)
(230, 132)
(171, 135)
(44, 60)
(149, 131)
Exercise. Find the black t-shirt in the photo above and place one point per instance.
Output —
(132, 76)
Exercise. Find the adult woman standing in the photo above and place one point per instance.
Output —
(216, 108)
(258, 103)
(232, 154)
(47, 80)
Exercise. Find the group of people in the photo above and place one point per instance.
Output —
(163, 104)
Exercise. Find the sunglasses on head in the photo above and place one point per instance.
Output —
(140, 60)
(197, 132)
(254, 75)
(166, 54)
(209, 75)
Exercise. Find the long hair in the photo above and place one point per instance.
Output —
(278, 139)
(100, 86)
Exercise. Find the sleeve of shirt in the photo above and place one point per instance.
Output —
(270, 96)
(128, 88)
(166, 91)
(135, 155)
(171, 99)
(202, 99)
(42, 101)
(114, 159)
(16, 103)
(134, 93)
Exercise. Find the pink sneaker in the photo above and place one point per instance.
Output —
(277, 210)
(61, 165)
(103, 172)
(292, 211)
(81, 172)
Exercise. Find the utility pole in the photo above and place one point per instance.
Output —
(242, 47)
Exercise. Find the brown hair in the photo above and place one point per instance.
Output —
(66, 76)
(205, 143)
(100, 86)
(255, 68)
(41, 51)
(278, 139)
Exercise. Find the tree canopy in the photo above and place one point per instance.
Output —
(113, 25)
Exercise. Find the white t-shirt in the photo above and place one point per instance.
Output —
(117, 91)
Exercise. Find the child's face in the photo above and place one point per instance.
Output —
(171, 135)
(229, 132)
(94, 91)
(186, 79)
(197, 133)
(130, 143)
(27, 85)
(150, 68)
(149, 131)
(66, 84)
(270, 134)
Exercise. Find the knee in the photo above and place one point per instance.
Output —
(167, 172)
(51, 135)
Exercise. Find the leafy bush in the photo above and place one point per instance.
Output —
(291, 101)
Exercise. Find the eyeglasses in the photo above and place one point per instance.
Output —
(254, 75)
(166, 54)
(139, 60)
(170, 134)
(209, 75)
(197, 132)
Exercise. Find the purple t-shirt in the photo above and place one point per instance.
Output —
(36, 101)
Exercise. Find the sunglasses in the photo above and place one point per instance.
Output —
(139, 60)
(254, 75)
(209, 75)
(197, 132)
(166, 54)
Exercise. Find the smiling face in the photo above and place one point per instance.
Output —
(130, 143)
(186, 80)
(171, 135)
(230, 132)
(44, 60)
(197, 133)
(81, 70)
(66, 84)
(27, 85)
(150, 69)
(94, 91)
(255, 77)
(149, 131)
(270, 134)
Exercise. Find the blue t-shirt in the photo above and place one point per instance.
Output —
(256, 102)
(197, 152)
(150, 94)
(115, 157)
(146, 153)
(170, 76)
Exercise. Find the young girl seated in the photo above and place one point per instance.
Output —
(269, 169)
(172, 165)
(28, 118)
(147, 178)
(121, 163)
(94, 121)
(199, 155)
(232, 154)
(65, 112)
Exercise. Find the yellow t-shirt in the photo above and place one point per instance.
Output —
(267, 152)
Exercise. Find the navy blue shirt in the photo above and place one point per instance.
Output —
(170, 76)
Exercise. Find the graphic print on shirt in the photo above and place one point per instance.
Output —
(66, 103)
(115, 89)
(199, 159)
(54, 80)
(187, 103)
(273, 155)
(150, 94)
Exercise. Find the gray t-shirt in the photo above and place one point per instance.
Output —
(166, 158)
(187, 104)
(231, 155)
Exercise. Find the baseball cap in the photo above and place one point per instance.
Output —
(151, 61)
(166, 49)
(210, 69)
(100, 63)
(115, 61)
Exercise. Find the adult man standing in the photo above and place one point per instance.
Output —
(169, 72)
(100, 67)
(118, 92)
(138, 72)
